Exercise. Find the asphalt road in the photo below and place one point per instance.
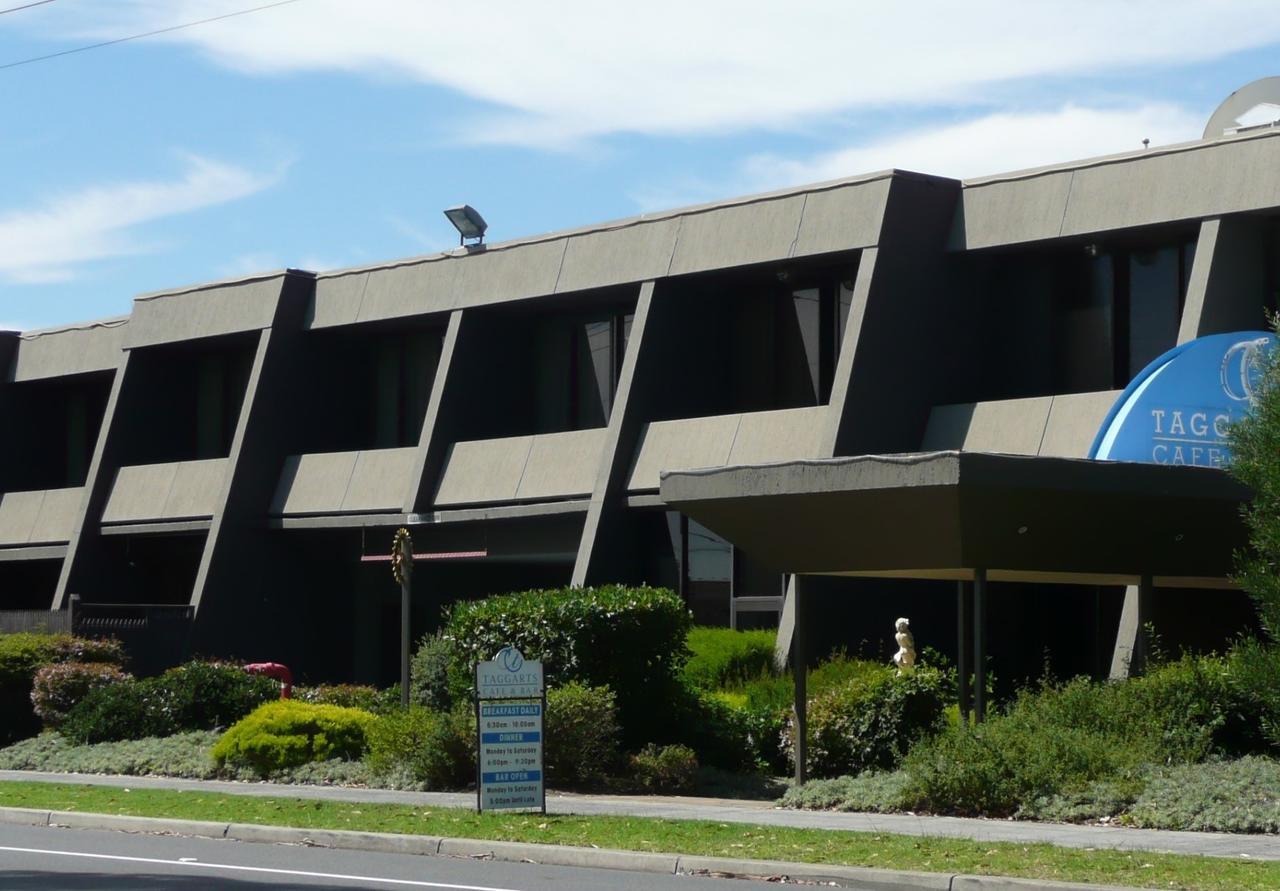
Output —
(83, 859)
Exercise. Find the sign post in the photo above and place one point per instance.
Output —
(510, 703)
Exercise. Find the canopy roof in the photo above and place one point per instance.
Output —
(944, 514)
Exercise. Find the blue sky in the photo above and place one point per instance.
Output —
(330, 133)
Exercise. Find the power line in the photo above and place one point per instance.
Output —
(171, 28)
(25, 6)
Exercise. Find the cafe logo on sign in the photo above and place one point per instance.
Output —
(1179, 409)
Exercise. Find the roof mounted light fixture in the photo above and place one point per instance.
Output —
(467, 220)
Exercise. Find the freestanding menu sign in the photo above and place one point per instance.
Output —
(510, 702)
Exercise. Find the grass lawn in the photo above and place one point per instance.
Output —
(677, 836)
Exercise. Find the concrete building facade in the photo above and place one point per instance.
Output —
(237, 450)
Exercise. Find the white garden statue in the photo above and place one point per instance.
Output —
(905, 658)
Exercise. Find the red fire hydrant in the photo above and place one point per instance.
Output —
(277, 671)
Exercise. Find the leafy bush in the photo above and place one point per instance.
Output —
(631, 640)
(1060, 747)
(720, 733)
(666, 769)
(368, 698)
(22, 654)
(435, 749)
(57, 688)
(1220, 796)
(1254, 672)
(581, 734)
(194, 696)
(429, 672)
(871, 722)
(286, 733)
(721, 658)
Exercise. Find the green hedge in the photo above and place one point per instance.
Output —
(631, 640)
(286, 733)
(721, 658)
(22, 654)
(194, 696)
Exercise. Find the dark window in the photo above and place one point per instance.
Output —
(1079, 321)
(404, 367)
(579, 362)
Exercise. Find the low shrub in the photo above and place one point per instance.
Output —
(873, 792)
(181, 755)
(721, 658)
(184, 755)
(580, 733)
(22, 654)
(194, 696)
(360, 696)
(429, 672)
(665, 769)
(57, 688)
(1219, 796)
(871, 722)
(631, 640)
(285, 733)
(434, 749)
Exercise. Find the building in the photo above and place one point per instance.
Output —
(235, 453)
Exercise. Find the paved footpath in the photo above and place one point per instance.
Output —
(1213, 844)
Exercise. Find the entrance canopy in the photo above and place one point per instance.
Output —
(943, 515)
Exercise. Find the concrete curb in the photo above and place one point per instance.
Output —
(550, 855)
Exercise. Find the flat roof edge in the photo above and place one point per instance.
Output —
(640, 219)
(1117, 158)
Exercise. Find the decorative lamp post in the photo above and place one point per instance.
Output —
(402, 569)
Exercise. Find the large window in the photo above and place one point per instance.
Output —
(1076, 321)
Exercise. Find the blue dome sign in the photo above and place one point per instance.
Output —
(1179, 408)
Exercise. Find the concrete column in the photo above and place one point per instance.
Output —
(800, 677)
(1227, 289)
(82, 549)
(1129, 656)
(605, 553)
(435, 437)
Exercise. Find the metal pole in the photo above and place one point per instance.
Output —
(962, 650)
(979, 645)
(404, 640)
(799, 674)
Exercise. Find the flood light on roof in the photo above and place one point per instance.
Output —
(467, 220)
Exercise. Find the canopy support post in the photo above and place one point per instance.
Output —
(979, 646)
(963, 643)
(799, 674)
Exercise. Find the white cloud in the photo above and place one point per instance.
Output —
(552, 73)
(996, 143)
(47, 243)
